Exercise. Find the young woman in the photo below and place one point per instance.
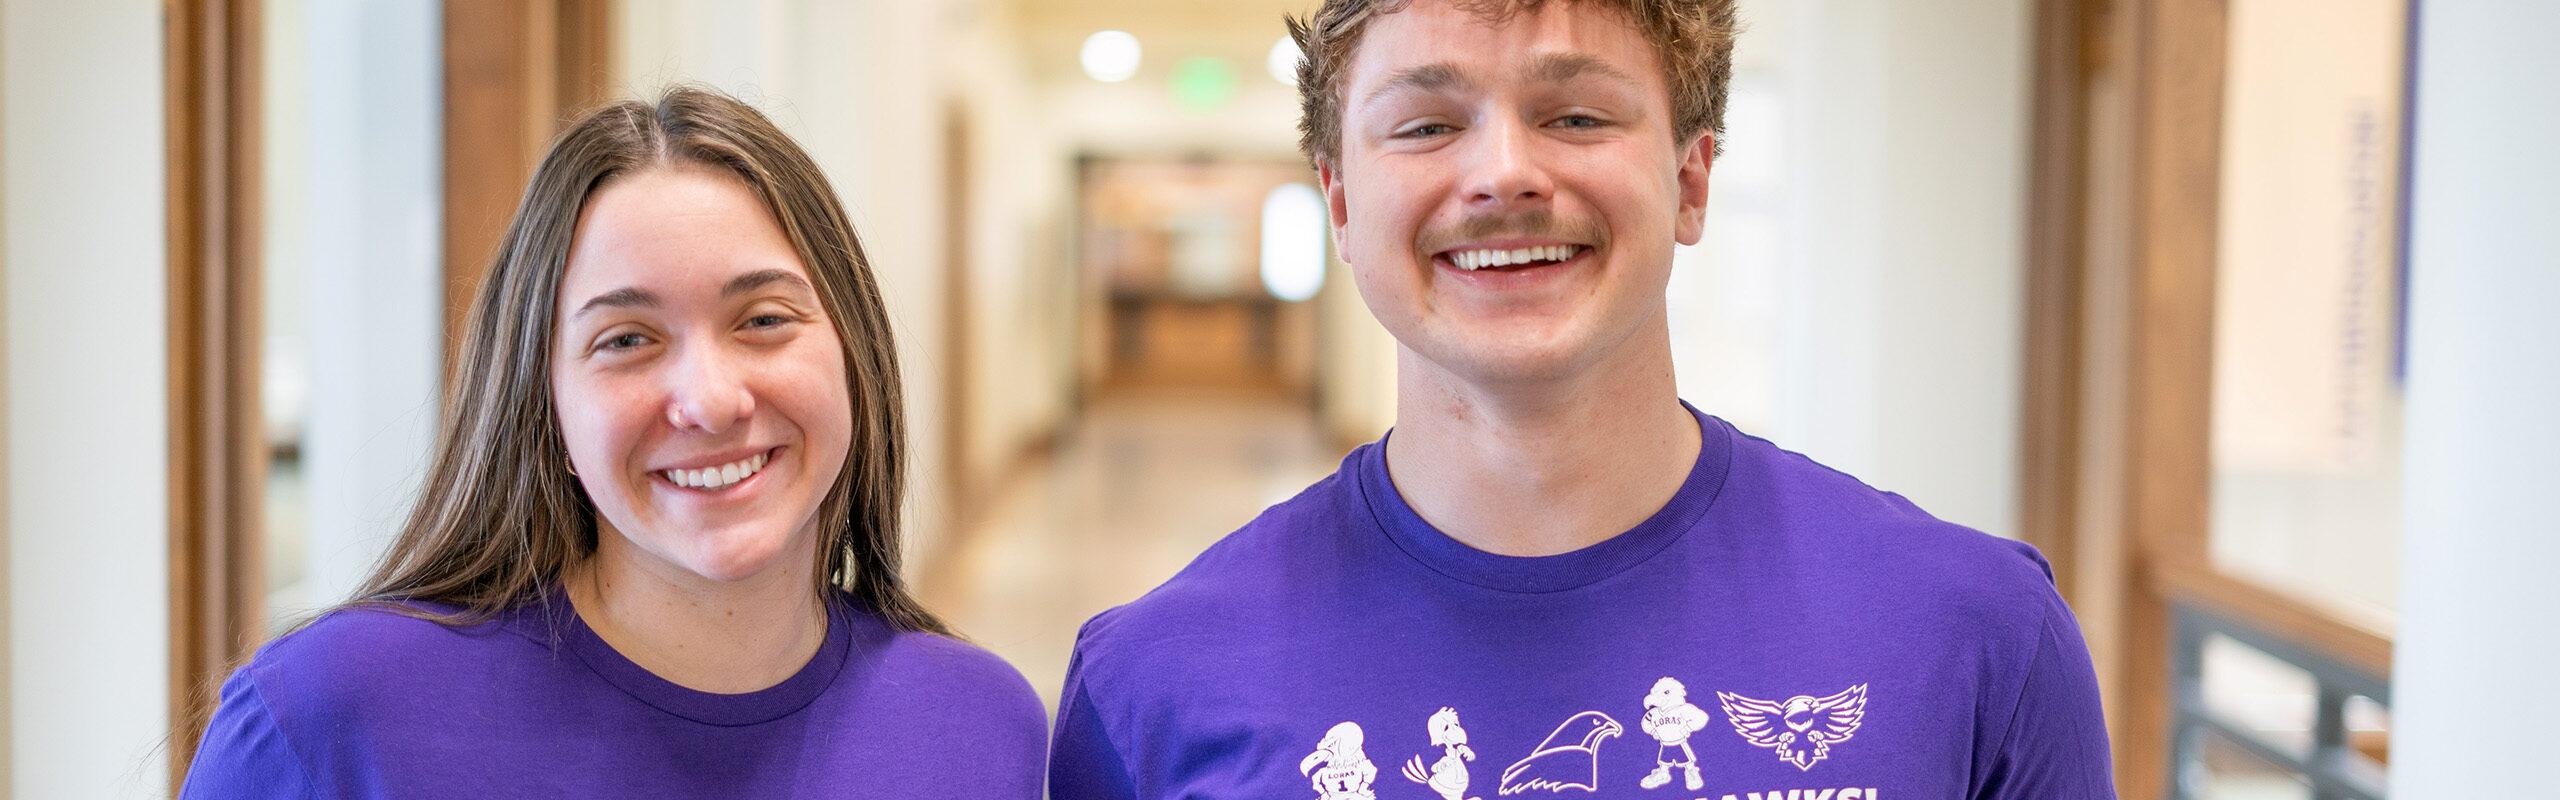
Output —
(657, 553)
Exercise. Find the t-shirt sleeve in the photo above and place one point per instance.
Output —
(244, 752)
(1084, 762)
(2056, 744)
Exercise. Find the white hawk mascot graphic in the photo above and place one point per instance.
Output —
(1803, 728)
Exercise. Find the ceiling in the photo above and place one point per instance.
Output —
(1240, 31)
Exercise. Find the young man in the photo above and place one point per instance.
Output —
(1550, 540)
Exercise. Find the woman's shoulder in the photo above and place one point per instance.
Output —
(934, 665)
(363, 648)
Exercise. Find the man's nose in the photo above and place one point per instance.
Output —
(1506, 168)
(708, 392)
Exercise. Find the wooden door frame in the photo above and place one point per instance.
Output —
(213, 114)
(2146, 550)
(962, 490)
(217, 443)
(515, 73)
(2150, 492)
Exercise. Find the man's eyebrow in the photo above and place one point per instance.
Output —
(1426, 78)
(1561, 67)
(625, 297)
(763, 278)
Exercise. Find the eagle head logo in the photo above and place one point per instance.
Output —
(1569, 758)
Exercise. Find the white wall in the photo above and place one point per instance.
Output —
(370, 232)
(86, 404)
(1022, 305)
(2473, 700)
(1858, 296)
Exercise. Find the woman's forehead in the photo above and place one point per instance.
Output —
(687, 229)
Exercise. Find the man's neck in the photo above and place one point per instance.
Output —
(727, 638)
(1545, 468)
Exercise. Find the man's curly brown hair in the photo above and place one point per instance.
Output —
(1693, 37)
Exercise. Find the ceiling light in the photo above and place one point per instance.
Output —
(1283, 61)
(1110, 56)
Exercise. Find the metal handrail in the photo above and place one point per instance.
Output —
(2332, 768)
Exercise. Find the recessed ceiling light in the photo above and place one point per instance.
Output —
(1284, 61)
(1111, 56)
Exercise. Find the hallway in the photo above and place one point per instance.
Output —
(1145, 480)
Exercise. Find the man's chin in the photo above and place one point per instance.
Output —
(1498, 361)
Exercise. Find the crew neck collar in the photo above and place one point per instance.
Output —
(709, 708)
(1555, 573)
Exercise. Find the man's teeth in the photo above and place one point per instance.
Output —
(716, 477)
(1480, 259)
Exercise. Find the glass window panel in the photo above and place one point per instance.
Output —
(2229, 772)
(2269, 699)
(2369, 731)
(2307, 379)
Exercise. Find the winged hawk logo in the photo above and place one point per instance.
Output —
(1803, 728)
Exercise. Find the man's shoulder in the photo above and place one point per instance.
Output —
(1251, 575)
(1833, 517)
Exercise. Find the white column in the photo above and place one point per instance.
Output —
(1899, 267)
(374, 297)
(86, 349)
(2474, 698)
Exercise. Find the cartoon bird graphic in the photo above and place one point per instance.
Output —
(1448, 777)
(1569, 758)
(1346, 772)
(1803, 728)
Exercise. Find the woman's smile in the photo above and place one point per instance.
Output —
(718, 477)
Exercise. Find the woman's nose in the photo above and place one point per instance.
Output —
(708, 393)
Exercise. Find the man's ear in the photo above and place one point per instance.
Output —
(1330, 180)
(1697, 159)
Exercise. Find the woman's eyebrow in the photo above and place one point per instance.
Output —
(625, 297)
(763, 278)
(636, 297)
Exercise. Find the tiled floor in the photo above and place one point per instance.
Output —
(1145, 481)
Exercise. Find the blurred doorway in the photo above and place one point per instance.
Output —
(1201, 267)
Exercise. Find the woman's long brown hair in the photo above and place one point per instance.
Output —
(500, 518)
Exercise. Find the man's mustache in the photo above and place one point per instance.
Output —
(1532, 224)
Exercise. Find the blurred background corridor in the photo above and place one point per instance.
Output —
(2130, 280)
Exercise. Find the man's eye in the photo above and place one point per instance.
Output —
(1424, 130)
(1580, 121)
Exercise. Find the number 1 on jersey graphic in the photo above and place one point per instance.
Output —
(1346, 772)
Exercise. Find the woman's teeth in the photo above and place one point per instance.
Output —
(716, 477)
(1480, 259)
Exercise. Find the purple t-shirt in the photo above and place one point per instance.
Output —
(1777, 630)
(370, 704)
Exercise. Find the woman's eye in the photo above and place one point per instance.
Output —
(623, 342)
(767, 320)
